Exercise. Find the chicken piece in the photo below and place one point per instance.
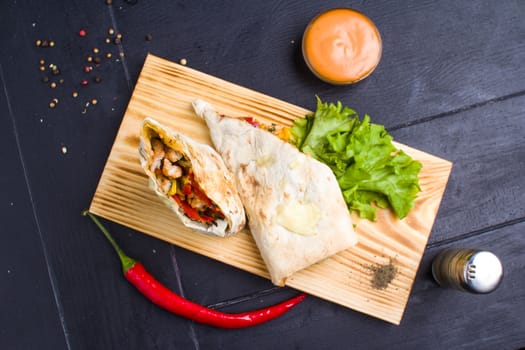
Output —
(171, 170)
(164, 183)
(173, 155)
(197, 203)
(158, 154)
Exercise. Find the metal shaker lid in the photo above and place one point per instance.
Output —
(483, 272)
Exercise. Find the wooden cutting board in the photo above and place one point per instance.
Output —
(164, 91)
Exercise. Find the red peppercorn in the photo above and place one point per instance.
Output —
(84, 82)
(82, 32)
(88, 69)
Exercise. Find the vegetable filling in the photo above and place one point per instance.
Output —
(175, 177)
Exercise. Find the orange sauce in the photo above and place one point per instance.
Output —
(341, 46)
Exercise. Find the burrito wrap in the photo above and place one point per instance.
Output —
(209, 172)
(296, 211)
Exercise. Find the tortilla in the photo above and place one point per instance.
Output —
(296, 211)
(183, 173)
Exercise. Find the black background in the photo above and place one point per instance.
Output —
(451, 82)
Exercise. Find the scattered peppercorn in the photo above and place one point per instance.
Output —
(95, 50)
(61, 81)
(119, 36)
(45, 43)
(117, 41)
(108, 55)
(51, 43)
(121, 53)
(84, 82)
(75, 94)
(149, 37)
(183, 61)
(53, 85)
(64, 149)
(38, 42)
(89, 59)
(52, 104)
(108, 40)
(97, 79)
(94, 101)
(55, 71)
(97, 60)
(111, 31)
(42, 68)
(82, 32)
(55, 100)
(109, 2)
(42, 62)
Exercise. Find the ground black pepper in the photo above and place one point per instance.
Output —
(383, 275)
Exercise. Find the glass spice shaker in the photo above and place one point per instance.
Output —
(467, 270)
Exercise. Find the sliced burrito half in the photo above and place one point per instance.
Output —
(191, 179)
(296, 211)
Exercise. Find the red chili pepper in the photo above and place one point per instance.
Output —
(137, 275)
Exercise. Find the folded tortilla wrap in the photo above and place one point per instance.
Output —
(296, 211)
(191, 179)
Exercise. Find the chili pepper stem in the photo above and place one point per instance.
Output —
(126, 261)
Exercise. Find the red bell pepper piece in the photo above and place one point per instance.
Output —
(191, 212)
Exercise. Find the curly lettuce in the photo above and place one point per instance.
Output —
(368, 168)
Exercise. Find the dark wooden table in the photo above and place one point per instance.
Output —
(451, 82)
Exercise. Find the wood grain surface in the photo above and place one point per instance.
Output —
(164, 91)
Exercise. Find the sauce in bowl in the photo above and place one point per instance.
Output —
(341, 46)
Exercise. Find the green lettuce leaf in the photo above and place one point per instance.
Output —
(368, 168)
